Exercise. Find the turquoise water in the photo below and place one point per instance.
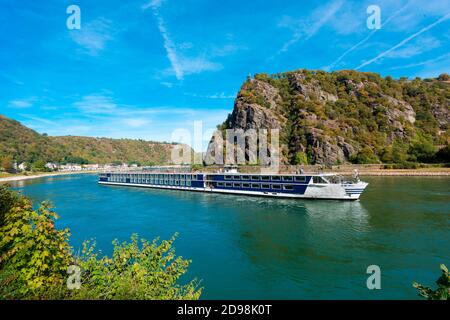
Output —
(258, 248)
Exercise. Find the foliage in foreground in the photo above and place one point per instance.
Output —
(35, 256)
(443, 290)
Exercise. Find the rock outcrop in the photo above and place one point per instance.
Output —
(332, 118)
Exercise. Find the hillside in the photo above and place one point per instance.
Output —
(105, 150)
(22, 144)
(348, 116)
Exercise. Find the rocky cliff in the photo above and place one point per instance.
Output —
(337, 117)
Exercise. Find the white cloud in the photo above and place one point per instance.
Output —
(365, 39)
(21, 103)
(156, 124)
(220, 95)
(443, 57)
(226, 50)
(154, 4)
(96, 104)
(136, 122)
(167, 84)
(305, 29)
(93, 36)
(421, 45)
(181, 65)
(403, 42)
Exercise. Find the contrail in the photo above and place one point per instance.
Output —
(404, 41)
(366, 38)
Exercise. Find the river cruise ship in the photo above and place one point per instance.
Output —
(309, 186)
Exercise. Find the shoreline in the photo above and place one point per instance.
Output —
(43, 175)
(441, 172)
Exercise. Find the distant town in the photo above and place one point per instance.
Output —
(72, 167)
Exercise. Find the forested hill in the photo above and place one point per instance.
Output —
(348, 116)
(21, 144)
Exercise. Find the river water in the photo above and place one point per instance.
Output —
(257, 248)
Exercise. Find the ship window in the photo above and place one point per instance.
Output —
(188, 177)
(246, 185)
(228, 184)
(236, 177)
(166, 181)
(317, 179)
(237, 185)
(177, 183)
(276, 186)
(265, 186)
(188, 183)
(171, 182)
(287, 178)
(166, 176)
(255, 185)
(265, 178)
(288, 187)
(256, 178)
(245, 177)
(220, 184)
(194, 177)
(177, 176)
(228, 177)
(300, 179)
(276, 178)
(182, 183)
(182, 176)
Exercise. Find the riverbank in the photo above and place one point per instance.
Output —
(21, 177)
(346, 171)
(397, 172)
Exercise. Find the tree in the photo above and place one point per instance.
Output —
(137, 270)
(7, 164)
(444, 77)
(422, 149)
(35, 256)
(398, 152)
(300, 158)
(443, 155)
(364, 156)
(443, 290)
(39, 166)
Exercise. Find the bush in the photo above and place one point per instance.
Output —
(35, 256)
(300, 158)
(364, 156)
(443, 290)
(422, 149)
(443, 155)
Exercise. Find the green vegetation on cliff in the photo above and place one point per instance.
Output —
(348, 116)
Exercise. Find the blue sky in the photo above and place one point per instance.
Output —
(141, 68)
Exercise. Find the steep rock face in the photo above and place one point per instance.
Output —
(336, 117)
(307, 91)
(248, 114)
(253, 116)
(442, 115)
